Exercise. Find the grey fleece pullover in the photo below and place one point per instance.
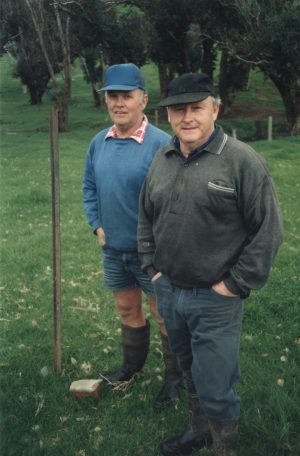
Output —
(212, 217)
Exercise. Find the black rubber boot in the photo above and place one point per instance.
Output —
(197, 436)
(135, 342)
(225, 437)
(173, 376)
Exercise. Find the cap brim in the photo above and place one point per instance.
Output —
(184, 98)
(123, 88)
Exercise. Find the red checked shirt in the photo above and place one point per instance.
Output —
(138, 135)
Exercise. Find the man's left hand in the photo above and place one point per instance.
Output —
(221, 288)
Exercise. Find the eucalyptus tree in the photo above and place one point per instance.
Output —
(267, 35)
(105, 36)
(89, 30)
(51, 22)
(18, 38)
(174, 38)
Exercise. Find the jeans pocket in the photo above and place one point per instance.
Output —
(222, 296)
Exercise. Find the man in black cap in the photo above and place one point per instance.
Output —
(209, 229)
(116, 164)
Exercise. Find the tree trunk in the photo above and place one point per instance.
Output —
(165, 73)
(62, 100)
(35, 97)
(223, 83)
(96, 96)
(292, 110)
(63, 115)
(296, 127)
(39, 32)
(64, 34)
(209, 56)
(187, 67)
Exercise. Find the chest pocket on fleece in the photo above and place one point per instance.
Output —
(222, 198)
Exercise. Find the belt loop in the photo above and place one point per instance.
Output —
(195, 291)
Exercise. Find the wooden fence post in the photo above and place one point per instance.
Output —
(54, 158)
(156, 117)
(270, 128)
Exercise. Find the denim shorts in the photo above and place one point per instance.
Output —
(122, 271)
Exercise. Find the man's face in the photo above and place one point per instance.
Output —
(126, 108)
(193, 123)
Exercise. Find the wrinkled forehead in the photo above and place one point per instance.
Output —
(123, 92)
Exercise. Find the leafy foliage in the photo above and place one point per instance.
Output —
(267, 34)
(220, 37)
(19, 40)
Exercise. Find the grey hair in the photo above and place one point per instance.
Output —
(216, 100)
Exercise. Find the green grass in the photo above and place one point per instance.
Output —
(38, 414)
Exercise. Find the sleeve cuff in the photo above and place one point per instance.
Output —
(231, 285)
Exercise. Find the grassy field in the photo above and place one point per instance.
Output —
(39, 417)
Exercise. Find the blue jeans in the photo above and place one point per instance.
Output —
(204, 333)
(122, 271)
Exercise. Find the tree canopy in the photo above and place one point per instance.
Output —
(224, 38)
(267, 35)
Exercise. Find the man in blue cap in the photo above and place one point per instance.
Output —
(116, 164)
(209, 229)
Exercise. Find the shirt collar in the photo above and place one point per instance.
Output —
(138, 135)
(214, 145)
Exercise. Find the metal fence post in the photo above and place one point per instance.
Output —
(54, 159)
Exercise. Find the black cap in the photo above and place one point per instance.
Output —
(188, 88)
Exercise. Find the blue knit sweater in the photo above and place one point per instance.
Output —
(114, 172)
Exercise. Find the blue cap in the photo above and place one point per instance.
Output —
(125, 76)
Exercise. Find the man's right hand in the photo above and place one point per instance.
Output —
(101, 236)
(156, 276)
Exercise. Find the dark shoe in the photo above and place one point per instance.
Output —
(173, 376)
(124, 374)
(225, 437)
(185, 443)
(197, 436)
(169, 391)
(135, 342)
